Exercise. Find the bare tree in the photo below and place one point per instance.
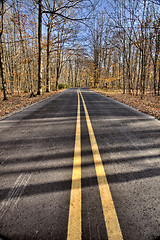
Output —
(1, 52)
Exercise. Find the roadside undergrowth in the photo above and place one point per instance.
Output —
(149, 104)
(16, 102)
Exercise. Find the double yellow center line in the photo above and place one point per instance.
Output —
(109, 212)
(74, 223)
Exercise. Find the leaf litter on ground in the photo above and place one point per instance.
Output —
(17, 102)
(149, 104)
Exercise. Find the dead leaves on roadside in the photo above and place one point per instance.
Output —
(149, 104)
(16, 102)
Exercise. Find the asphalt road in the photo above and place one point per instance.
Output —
(38, 155)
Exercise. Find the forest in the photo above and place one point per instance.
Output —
(50, 44)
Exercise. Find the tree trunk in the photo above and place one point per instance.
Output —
(39, 92)
(76, 72)
(159, 82)
(58, 67)
(57, 77)
(138, 75)
(144, 69)
(142, 74)
(4, 85)
(69, 72)
(155, 80)
(22, 46)
(155, 60)
(48, 58)
(129, 69)
(124, 61)
(96, 68)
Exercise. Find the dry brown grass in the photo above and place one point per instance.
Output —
(149, 104)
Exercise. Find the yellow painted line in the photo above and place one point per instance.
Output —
(74, 221)
(109, 212)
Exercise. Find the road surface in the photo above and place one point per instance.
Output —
(80, 166)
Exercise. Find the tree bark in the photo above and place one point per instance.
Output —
(39, 92)
(48, 58)
(4, 85)
(57, 75)
(124, 61)
(159, 82)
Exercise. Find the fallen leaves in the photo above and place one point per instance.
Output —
(16, 102)
(149, 104)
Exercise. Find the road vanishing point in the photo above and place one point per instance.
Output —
(79, 166)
